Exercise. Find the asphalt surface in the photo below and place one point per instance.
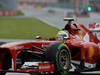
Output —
(10, 73)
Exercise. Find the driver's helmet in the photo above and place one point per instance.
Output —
(62, 35)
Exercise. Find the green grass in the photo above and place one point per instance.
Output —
(24, 28)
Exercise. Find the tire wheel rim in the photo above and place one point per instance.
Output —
(63, 60)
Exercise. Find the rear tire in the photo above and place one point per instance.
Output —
(59, 54)
(7, 62)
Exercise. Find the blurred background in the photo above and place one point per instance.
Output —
(80, 6)
(50, 12)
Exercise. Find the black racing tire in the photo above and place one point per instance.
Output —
(59, 54)
(2, 73)
(7, 62)
(5, 59)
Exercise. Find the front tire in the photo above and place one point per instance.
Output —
(59, 54)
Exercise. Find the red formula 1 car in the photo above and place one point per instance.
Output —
(53, 56)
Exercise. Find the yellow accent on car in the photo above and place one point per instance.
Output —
(81, 34)
(73, 19)
(91, 51)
